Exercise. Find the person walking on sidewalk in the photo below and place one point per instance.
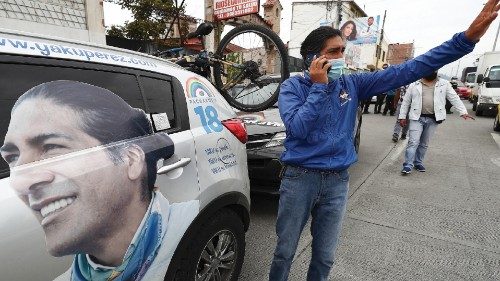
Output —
(319, 111)
(389, 100)
(427, 100)
(398, 99)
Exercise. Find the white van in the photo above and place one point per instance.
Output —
(84, 131)
(488, 90)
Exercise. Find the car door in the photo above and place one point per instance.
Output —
(177, 176)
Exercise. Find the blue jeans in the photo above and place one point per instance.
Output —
(397, 127)
(420, 133)
(323, 195)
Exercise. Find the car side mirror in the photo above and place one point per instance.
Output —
(479, 79)
(486, 79)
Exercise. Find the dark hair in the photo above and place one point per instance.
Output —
(316, 40)
(107, 118)
(354, 32)
(371, 18)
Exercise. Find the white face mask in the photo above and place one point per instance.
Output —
(337, 68)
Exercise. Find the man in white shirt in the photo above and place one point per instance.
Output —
(424, 102)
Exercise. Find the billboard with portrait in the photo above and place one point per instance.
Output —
(363, 30)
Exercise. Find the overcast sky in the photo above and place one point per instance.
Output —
(425, 22)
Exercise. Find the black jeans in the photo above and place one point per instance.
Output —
(388, 105)
(380, 101)
(366, 105)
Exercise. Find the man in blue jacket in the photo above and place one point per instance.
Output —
(319, 112)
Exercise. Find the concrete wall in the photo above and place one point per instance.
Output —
(73, 19)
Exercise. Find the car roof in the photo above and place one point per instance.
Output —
(50, 46)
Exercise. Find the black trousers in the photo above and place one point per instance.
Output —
(388, 105)
(380, 101)
(366, 105)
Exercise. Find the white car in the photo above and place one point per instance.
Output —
(81, 148)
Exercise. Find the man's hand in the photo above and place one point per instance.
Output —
(479, 26)
(318, 69)
(467, 116)
(402, 122)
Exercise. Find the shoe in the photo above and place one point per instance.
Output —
(403, 136)
(420, 168)
(406, 171)
(385, 113)
(392, 114)
(366, 112)
(395, 138)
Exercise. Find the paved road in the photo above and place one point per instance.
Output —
(443, 224)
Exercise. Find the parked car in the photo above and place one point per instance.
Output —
(103, 143)
(463, 91)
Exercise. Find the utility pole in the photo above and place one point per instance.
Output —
(339, 13)
(456, 75)
(379, 46)
(213, 39)
(496, 38)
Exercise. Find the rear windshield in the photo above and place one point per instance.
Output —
(470, 78)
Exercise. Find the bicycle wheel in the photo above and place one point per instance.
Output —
(253, 63)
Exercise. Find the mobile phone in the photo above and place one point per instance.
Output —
(312, 56)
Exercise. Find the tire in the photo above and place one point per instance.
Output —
(189, 259)
(252, 78)
(496, 124)
(357, 136)
(479, 112)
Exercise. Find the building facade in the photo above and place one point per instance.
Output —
(399, 53)
(81, 20)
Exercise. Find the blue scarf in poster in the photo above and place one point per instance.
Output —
(134, 265)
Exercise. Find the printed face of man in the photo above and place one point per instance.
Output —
(370, 21)
(77, 198)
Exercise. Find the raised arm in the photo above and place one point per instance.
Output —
(370, 84)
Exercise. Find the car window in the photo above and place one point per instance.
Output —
(159, 97)
(18, 78)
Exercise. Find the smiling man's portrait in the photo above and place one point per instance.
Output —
(84, 162)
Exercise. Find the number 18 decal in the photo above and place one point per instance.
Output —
(209, 118)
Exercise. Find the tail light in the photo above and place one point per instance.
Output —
(237, 128)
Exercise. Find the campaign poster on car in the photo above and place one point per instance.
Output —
(364, 30)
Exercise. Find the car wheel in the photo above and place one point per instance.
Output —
(357, 138)
(215, 252)
(479, 112)
(496, 124)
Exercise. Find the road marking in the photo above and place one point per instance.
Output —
(496, 138)
(400, 147)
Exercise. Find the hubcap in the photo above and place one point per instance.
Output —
(218, 258)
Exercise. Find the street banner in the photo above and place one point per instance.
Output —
(363, 30)
(226, 9)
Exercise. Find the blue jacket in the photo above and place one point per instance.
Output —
(320, 118)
